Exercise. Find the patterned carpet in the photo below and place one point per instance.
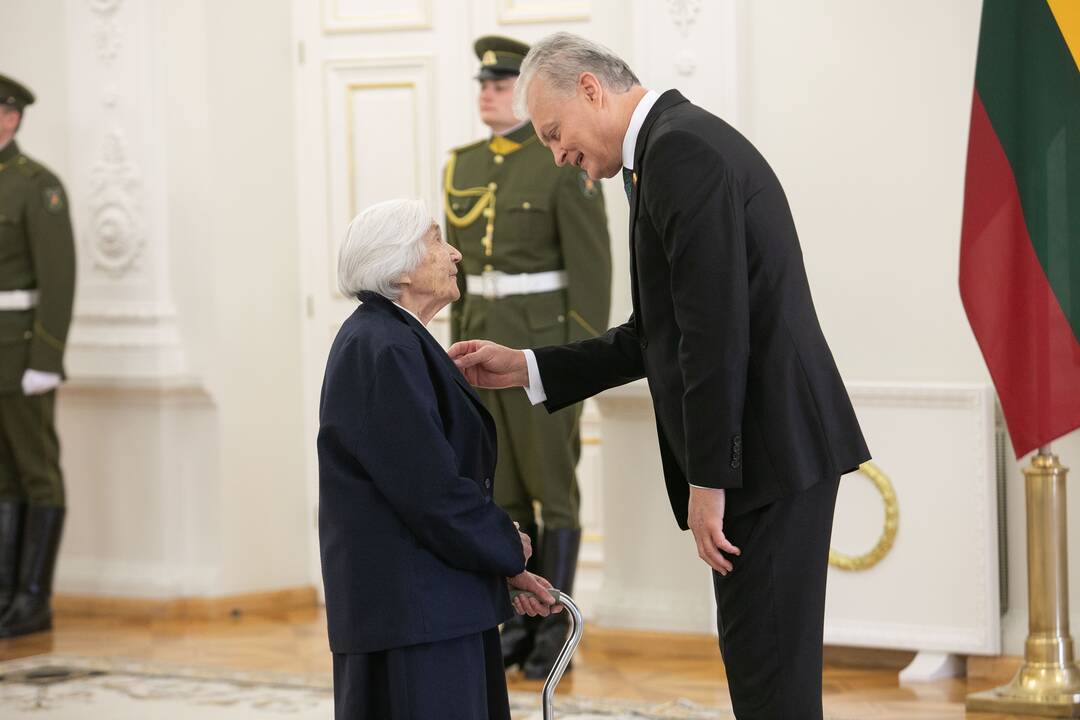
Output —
(55, 687)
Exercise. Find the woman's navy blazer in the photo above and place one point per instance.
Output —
(413, 548)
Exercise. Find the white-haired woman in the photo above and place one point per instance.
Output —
(415, 555)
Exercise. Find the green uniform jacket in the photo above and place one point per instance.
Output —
(542, 218)
(37, 251)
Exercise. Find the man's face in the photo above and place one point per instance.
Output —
(496, 101)
(576, 127)
(9, 123)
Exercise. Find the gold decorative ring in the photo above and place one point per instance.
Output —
(888, 533)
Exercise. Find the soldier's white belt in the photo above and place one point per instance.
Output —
(18, 299)
(495, 284)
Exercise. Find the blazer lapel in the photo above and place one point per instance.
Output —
(668, 100)
(433, 347)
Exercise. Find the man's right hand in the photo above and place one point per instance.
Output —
(487, 365)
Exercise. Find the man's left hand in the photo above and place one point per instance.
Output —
(705, 516)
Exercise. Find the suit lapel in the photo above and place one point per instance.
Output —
(666, 101)
(669, 99)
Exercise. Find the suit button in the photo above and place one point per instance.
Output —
(487, 483)
(644, 343)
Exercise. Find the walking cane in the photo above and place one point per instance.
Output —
(577, 626)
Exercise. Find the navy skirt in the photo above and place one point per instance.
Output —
(458, 679)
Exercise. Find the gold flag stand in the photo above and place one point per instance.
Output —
(1048, 683)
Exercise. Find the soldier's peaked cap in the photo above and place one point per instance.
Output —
(14, 94)
(499, 56)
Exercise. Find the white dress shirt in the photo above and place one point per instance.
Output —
(535, 388)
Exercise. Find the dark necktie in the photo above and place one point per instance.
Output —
(628, 181)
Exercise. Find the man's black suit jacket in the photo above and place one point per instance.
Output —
(746, 393)
(413, 548)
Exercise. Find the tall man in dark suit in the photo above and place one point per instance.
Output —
(755, 426)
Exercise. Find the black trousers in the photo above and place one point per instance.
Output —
(771, 609)
(458, 679)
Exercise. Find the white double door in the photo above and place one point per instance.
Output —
(383, 89)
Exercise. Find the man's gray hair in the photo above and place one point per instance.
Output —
(381, 244)
(561, 58)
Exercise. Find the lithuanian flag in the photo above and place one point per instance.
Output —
(1020, 244)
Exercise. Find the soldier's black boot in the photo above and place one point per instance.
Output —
(30, 611)
(11, 516)
(558, 563)
(517, 634)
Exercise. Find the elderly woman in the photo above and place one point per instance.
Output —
(415, 555)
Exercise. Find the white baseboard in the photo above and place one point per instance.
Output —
(114, 578)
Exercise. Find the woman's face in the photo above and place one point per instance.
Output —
(435, 280)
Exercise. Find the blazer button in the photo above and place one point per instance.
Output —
(644, 343)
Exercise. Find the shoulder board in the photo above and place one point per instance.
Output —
(28, 166)
(466, 148)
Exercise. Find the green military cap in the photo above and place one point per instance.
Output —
(14, 94)
(499, 56)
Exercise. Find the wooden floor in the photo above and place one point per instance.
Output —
(609, 664)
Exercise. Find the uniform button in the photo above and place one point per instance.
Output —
(498, 159)
(562, 318)
(644, 343)
(526, 205)
(28, 335)
(493, 186)
(487, 483)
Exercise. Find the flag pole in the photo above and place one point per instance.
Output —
(1048, 683)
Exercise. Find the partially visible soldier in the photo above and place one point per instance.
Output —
(536, 270)
(37, 286)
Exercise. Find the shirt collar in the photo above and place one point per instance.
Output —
(629, 142)
(410, 312)
(9, 151)
(510, 131)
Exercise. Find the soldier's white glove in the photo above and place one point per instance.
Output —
(36, 382)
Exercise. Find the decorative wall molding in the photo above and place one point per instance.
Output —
(684, 13)
(118, 182)
(396, 15)
(118, 234)
(104, 7)
(391, 98)
(674, 39)
(937, 442)
(515, 12)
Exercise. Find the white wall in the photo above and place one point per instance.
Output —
(181, 427)
(862, 108)
(33, 50)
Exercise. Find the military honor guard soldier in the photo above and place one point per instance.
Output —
(37, 287)
(536, 270)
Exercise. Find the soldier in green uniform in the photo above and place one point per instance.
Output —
(536, 270)
(37, 285)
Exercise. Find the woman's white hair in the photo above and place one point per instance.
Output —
(381, 244)
(561, 58)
